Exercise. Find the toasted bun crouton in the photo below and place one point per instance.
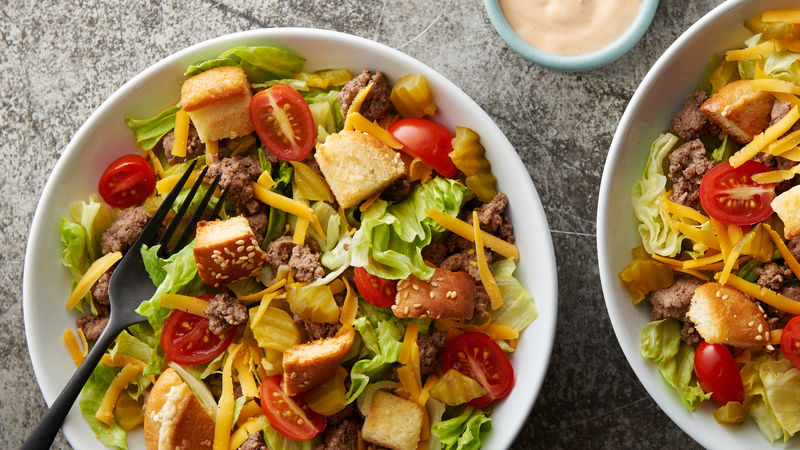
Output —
(226, 251)
(173, 417)
(787, 206)
(739, 110)
(393, 422)
(357, 165)
(723, 315)
(447, 295)
(306, 366)
(218, 102)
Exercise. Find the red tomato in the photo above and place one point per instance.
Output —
(427, 140)
(187, 340)
(718, 373)
(790, 341)
(127, 181)
(478, 356)
(283, 122)
(376, 290)
(731, 196)
(291, 416)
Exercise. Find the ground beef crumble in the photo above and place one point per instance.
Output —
(341, 432)
(430, 351)
(236, 173)
(124, 231)
(305, 264)
(254, 442)
(194, 147)
(317, 330)
(376, 104)
(690, 122)
(687, 165)
(93, 324)
(224, 311)
(773, 275)
(100, 287)
(673, 302)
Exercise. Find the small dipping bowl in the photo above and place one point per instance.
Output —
(573, 63)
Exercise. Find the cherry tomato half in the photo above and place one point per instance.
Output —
(291, 416)
(718, 373)
(187, 340)
(127, 181)
(376, 290)
(283, 122)
(790, 341)
(478, 356)
(427, 140)
(731, 196)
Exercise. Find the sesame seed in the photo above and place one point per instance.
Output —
(243, 258)
(218, 276)
(417, 305)
(293, 375)
(766, 334)
(251, 254)
(770, 348)
(415, 287)
(250, 248)
(691, 330)
(750, 324)
(760, 328)
(431, 294)
(240, 242)
(405, 310)
(240, 249)
(760, 308)
(434, 284)
(725, 297)
(759, 337)
(718, 294)
(217, 252)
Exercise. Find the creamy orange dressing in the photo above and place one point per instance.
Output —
(570, 27)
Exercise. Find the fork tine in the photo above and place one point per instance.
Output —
(187, 232)
(215, 212)
(152, 226)
(173, 224)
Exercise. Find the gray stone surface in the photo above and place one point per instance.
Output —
(60, 60)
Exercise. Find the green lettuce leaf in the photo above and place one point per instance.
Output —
(89, 402)
(747, 67)
(725, 150)
(94, 216)
(390, 240)
(194, 69)
(783, 66)
(259, 63)
(464, 431)
(149, 131)
(772, 393)
(518, 310)
(661, 343)
(74, 255)
(657, 237)
(381, 337)
(277, 441)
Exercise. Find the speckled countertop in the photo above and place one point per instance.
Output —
(60, 60)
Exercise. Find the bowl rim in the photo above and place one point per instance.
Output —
(673, 409)
(573, 63)
(532, 387)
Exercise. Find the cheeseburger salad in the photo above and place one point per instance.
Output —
(356, 290)
(718, 207)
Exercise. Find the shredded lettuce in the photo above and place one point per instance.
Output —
(149, 131)
(381, 337)
(94, 216)
(661, 343)
(89, 401)
(783, 66)
(518, 310)
(74, 255)
(725, 150)
(747, 67)
(463, 432)
(657, 236)
(390, 240)
(435, 410)
(259, 63)
(772, 392)
(198, 388)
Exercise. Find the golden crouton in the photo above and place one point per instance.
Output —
(447, 295)
(226, 251)
(723, 315)
(306, 366)
(357, 165)
(393, 422)
(739, 110)
(787, 206)
(218, 102)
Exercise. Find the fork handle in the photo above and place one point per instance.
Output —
(42, 437)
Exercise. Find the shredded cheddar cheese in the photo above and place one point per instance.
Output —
(105, 413)
(252, 425)
(166, 184)
(224, 422)
(181, 133)
(774, 85)
(288, 205)
(260, 294)
(784, 144)
(693, 273)
(242, 365)
(761, 50)
(300, 228)
(781, 15)
(212, 148)
(682, 210)
(368, 202)
(418, 170)
(72, 345)
(191, 305)
(412, 332)
(487, 279)
(250, 409)
(722, 236)
(157, 167)
(355, 106)
(262, 308)
(349, 309)
(121, 361)
(765, 295)
(364, 125)
(265, 179)
(95, 271)
(765, 138)
(466, 231)
(700, 262)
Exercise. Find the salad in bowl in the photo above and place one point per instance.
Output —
(359, 286)
(716, 215)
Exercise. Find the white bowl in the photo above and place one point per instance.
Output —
(104, 137)
(660, 95)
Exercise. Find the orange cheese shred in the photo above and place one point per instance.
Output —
(465, 230)
(224, 422)
(181, 133)
(72, 345)
(260, 294)
(192, 305)
(105, 413)
(349, 308)
(765, 138)
(765, 295)
(95, 271)
(487, 278)
(412, 332)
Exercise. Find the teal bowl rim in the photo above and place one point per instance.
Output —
(575, 63)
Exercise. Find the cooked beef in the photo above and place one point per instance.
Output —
(689, 334)
(93, 324)
(194, 147)
(492, 218)
(258, 223)
(224, 311)
(254, 442)
(687, 165)
(279, 251)
(430, 349)
(675, 300)
(100, 288)
(435, 253)
(376, 104)
(305, 264)
(341, 432)
(772, 275)
(398, 190)
(794, 246)
(482, 302)
(780, 109)
(236, 174)
(690, 123)
(317, 330)
(125, 229)
(466, 261)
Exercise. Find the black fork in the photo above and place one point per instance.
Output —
(128, 287)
